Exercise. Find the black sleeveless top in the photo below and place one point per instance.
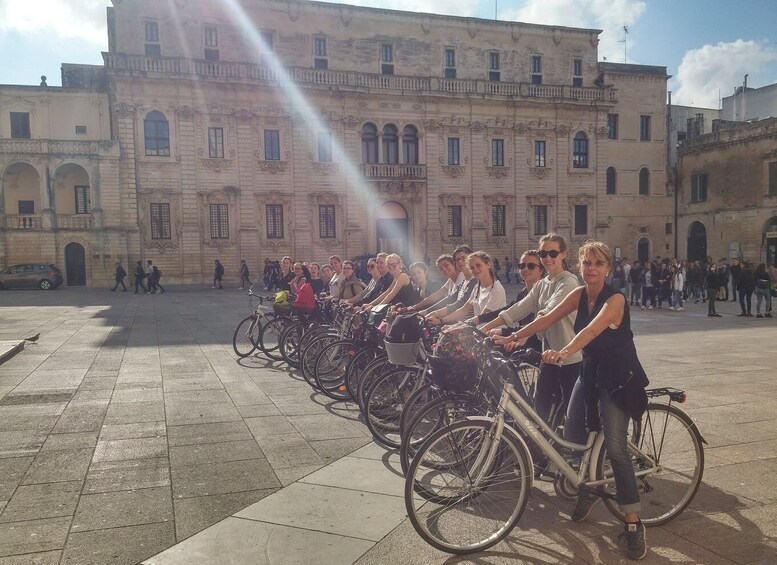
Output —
(407, 295)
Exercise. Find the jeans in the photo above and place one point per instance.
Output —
(139, 283)
(574, 426)
(636, 293)
(712, 294)
(551, 378)
(649, 295)
(762, 296)
(745, 296)
(615, 423)
(119, 282)
(678, 298)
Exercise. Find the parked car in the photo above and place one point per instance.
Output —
(31, 275)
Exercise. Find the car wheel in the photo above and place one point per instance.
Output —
(45, 284)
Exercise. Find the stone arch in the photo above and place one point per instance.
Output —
(392, 228)
(22, 190)
(697, 242)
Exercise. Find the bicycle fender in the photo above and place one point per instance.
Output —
(510, 431)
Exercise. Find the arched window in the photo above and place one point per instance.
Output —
(644, 181)
(369, 143)
(612, 180)
(580, 151)
(410, 145)
(390, 144)
(157, 134)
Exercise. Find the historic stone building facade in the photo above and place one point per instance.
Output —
(287, 127)
(727, 201)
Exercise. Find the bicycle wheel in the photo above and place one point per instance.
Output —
(246, 336)
(377, 368)
(358, 365)
(310, 353)
(385, 401)
(667, 436)
(417, 401)
(439, 413)
(472, 492)
(270, 335)
(330, 368)
(289, 341)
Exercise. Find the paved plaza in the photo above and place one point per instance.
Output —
(130, 432)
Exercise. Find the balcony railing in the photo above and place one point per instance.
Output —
(21, 222)
(382, 171)
(55, 147)
(74, 222)
(122, 62)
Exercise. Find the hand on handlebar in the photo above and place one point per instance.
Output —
(551, 356)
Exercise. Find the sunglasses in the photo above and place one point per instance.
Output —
(530, 266)
(370, 266)
(392, 264)
(552, 254)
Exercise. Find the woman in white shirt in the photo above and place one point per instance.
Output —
(488, 295)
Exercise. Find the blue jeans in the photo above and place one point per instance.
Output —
(574, 425)
(678, 298)
(615, 423)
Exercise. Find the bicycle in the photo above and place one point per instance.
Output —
(245, 340)
(469, 483)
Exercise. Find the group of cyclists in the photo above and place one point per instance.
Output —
(583, 332)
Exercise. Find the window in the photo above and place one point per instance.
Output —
(773, 178)
(498, 152)
(211, 38)
(160, 221)
(20, 125)
(450, 62)
(157, 134)
(83, 201)
(644, 128)
(387, 59)
(274, 221)
(612, 181)
(453, 151)
(698, 188)
(319, 53)
(369, 143)
(494, 73)
(580, 151)
(540, 220)
(612, 126)
(390, 144)
(577, 72)
(581, 219)
(668, 228)
(539, 153)
(454, 221)
(324, 147)
(498, 220)
(152, 46)
(80, 130)
(267, 46)
(410, 145)
(26, 207)
(326, 221)
(216, 143)
(536, 69)
(272, 145)
(219, 221)
(644, 181)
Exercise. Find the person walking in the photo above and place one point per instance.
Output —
(745, 287)
(149, 281)
(120, 274)
(140, 274)
(712, 284)
(156, 274)
(763, 283)
(735, 269)
(724, 275)
(677, 282)
(244, 274)
(635, 279)
(218, 274)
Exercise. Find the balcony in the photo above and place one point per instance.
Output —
(62, 148)
(74, 221)
(401, 172)
(304, 76)
(21, 222)
(47, 221)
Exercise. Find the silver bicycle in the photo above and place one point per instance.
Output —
(469, 483)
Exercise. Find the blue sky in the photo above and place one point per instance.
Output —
(707, 45)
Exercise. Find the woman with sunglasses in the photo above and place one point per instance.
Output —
(375, 274)
(543, 297)
(400, 291)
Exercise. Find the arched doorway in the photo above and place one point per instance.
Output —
(75, 264)
(391, 229)
(697, 242)
(22, 196)
(770, 240)
(643, 249)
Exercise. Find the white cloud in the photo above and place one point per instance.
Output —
(608, 15)
(713, 69)
(82, 19)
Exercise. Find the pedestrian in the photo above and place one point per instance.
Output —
(508, 268)
(218, 274)
(763, 284)
(735, 269)
(140, 274)
(723, 275)
(120, 274)
(244, 274)
(156, 274)
(712, 283)
(149, 270)
(649, 278)
(677, 284)
(745, 287)
(635, 279)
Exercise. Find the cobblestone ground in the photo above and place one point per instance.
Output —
(130, 425)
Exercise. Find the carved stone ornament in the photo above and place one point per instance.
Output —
(244, 114)
(601, 131)
(185, 112)
(454, 171)
(432, 125)
(557, 36)
(124, 109)
(216, 164)
(472, 29)
(498, 172)
(161, 245)
(426, 24)
(350, 120)
(325, 168)
(521, 128)
(274, 166)
(219, 244)
(294, 10)
(346, 14)
(594, 39)
(563, 129)
(515, 32)
(477, 126)
(540, 172)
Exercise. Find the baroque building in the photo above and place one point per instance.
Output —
(265, 128)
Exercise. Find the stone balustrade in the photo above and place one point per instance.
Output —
(396, 171)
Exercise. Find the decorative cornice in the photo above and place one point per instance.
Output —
(325, 168)
(161, 246)
(540, 172)
(274, 166)
(498, 172)
(219, 244)
(454, 171)
(216, 164)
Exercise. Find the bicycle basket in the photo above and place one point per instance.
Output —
(402, 353)
(453, 375)
(281, 309)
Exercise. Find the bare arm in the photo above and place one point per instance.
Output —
(401, 281)
(431, 299)
(543, 322)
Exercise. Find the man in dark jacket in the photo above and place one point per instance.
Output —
(746, 287)
(140, 274)
(120, 274)
(734, 269)
(218, 274)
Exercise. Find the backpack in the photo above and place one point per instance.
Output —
(282, 298)
(306, 298)
(404, 329)
(121, 273)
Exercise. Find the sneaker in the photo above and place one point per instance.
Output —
(586, 500)
(632, 541)
(768, 315)
(759, 316)
(680, 309)
(642, 307)
(650, 308)
(717, 315)
(697, 301)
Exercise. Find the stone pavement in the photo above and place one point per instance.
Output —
(130, 426)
